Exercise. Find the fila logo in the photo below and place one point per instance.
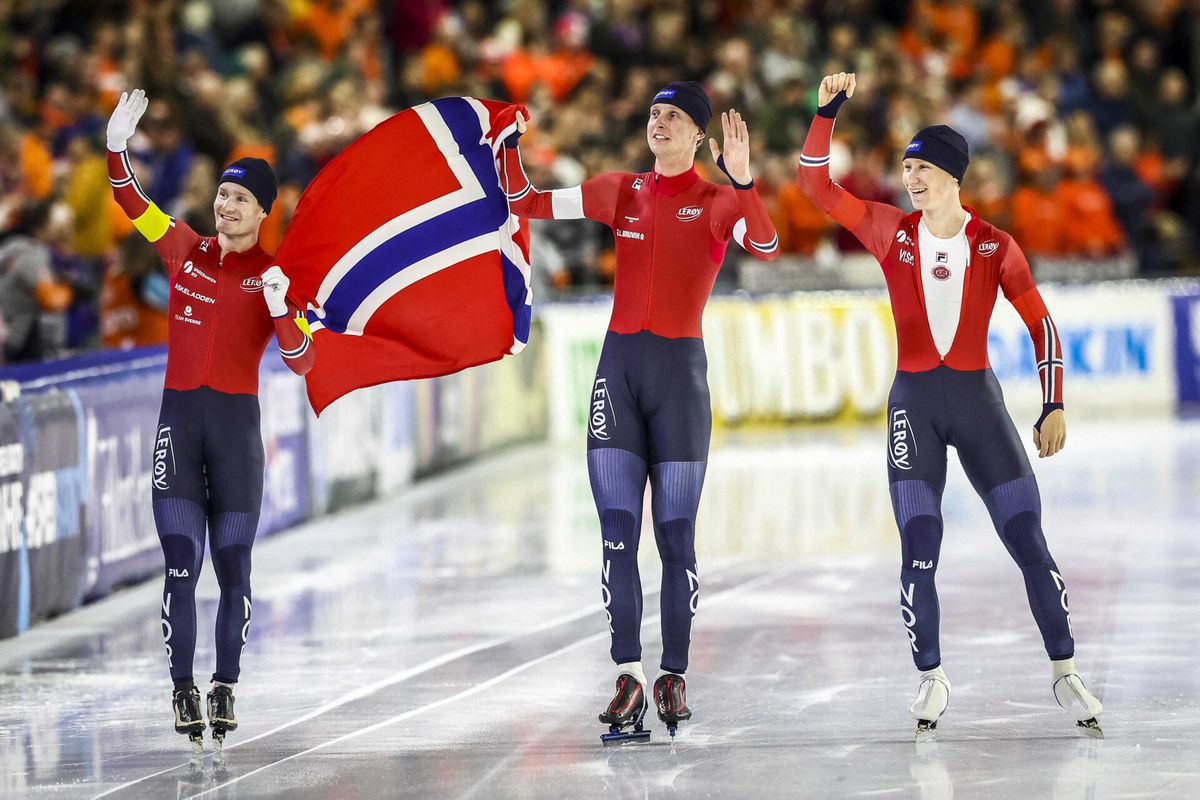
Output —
(191, 269)
(601, 409)
(610, 546)
(688, 214)
(903, 444)
(637, 183)
(988, 247)
(941, 273)
(177, 573)
(922, 564)
(252, 285)
(942, 258)
(204, 246)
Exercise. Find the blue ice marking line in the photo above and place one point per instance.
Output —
(596, 637)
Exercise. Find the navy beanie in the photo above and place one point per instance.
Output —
(690, 97)
(941, 146)
(257, 176)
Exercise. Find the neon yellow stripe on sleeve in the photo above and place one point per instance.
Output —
(153, 223)
(302, 324)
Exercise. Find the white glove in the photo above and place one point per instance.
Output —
(275, 286)
(124, 119)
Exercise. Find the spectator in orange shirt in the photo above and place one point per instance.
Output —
(1091, 228)
(1038, 218)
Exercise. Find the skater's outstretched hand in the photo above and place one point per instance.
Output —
(832, 84)
(1053, 434)
(124, 119)
(736, 138)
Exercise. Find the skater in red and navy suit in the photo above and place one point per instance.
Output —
(208, 451)
(650, 417)
(944, 267)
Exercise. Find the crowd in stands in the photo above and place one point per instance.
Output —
(1081, 115)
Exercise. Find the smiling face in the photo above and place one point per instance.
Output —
(237, 212)
(928, 186)
(671, 134)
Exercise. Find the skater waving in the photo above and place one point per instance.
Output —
(944, 267)
(649, 417)
(208, 453)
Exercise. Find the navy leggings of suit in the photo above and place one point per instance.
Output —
(649, 418)
(965, 409)
(208, 476)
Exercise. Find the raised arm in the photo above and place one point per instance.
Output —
(172, 239)
(595, 198)
(291, 326)
(1016, 280)
(873, 224)
(752, 225)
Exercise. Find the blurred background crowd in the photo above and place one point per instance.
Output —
(1081, 115)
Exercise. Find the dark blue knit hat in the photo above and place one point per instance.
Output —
(257, 176)
(689, 97)
(941, 146)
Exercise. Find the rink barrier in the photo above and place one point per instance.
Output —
(1128, 346)
(77, 440)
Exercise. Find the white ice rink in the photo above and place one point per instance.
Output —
(450, 643)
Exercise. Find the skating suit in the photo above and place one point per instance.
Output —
(208, 451)
(942, 295)
(649, 415)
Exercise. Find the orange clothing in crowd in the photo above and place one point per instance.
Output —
(330, 22)
(563, 70)
(800, 223)
(954, 28)
(1092, 228)
(37, 167)
(125, 321)
(1038, 222)
(439, 67)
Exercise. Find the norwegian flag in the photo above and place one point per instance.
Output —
(406, 254)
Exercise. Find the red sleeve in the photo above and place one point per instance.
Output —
(172, 238)
(1017, 282)
(295, 340)
(873, 224)
(749, 223)
(595, 198)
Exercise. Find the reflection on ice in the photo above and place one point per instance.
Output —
(382, 636)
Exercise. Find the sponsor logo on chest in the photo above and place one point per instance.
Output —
(988, 247)
(621, 234)
(190, 269)
(905, 254)
(203, 298)
(252, 285)
(689, 213)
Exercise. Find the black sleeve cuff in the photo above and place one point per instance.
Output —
(511, 141)
(830, 109)
(736, 185)
(1047, 408)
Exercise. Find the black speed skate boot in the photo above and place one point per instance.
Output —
(628, 707)
(220, 713)
(671, 701)
(189, 719)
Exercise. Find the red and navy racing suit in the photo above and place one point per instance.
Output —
(208, 452)
(952, 399)
(650, 415)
